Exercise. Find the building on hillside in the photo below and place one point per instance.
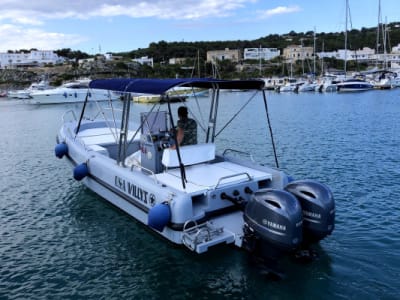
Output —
(83, 61)
(177, 60)
(396, 49)
(145, 60)
(227, 54)
(367, 55)
(364, 54)
(32, 58)
(108, 56)
(298, 52)
(261, 53)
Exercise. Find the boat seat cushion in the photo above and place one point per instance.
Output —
(99, 149)
(190, 155)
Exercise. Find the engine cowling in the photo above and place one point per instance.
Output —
(318, 208)
(275, 217)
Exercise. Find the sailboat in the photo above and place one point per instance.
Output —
(351, 84)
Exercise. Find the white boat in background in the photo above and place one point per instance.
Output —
(70, 92)
(396, 81)
(290, 86)
(383, 84)
(354, 85)
(273, 83)
(25, 93)
(327, 84)
(307, 87)
(194, 195)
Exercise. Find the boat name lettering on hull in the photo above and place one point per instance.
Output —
(133, 190)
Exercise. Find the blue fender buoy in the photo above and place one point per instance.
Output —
(81, 171)
(61, 150)
(159, 216)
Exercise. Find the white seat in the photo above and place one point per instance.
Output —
(190, 155)
(134, 160)
(99, 149)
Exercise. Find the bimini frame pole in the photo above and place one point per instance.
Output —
(82, 113)
(178, 152)
(270, 129)
(124, 129)
(212, 119)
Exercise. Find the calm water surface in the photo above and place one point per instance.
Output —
(58, 240)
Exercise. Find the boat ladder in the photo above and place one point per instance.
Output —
(199, 237)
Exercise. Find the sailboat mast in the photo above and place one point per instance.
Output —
(314, 53)
(345, 40)
(378, 30)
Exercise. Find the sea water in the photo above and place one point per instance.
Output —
(59, 240)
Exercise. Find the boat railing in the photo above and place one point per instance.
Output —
(221, 179)
(151, 172)
(199, 233)
(69, 112)
(226, 151)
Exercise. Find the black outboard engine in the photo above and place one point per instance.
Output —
(318, 208)
(273, 223)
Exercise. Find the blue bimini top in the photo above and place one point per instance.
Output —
(160, 86)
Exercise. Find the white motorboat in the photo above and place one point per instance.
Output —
(25, 93)
(288, 87)
(354, 85)
(193, 195)
(383, 84)
(327, 84)
(307, 87)
(70, 92)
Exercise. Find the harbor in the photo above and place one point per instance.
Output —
(61, 240)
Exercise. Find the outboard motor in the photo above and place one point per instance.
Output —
(318, 208)
(273, 223)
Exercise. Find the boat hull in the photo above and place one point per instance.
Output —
(354, 86)
(69, 95)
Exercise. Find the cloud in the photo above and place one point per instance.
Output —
(172, 9)
(16, 37)
(163, 9)
(23, 24)
(280, 10)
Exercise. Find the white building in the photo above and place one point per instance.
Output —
(33, 58)
(364, 54)
(261, 53)
(220, 55)
(145, 60)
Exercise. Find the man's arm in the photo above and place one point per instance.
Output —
(179, 135)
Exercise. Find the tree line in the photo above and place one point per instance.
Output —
(195, 54)
(357, 39)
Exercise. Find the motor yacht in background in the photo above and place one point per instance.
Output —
(70, 92)
(25, 93)
(307, 86)
(354, 85)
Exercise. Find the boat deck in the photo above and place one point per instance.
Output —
(103, 135)
(208, 176)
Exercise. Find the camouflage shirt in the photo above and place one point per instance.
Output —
(189, 127)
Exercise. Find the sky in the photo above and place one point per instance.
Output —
(100, 26)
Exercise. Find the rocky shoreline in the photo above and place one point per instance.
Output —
(56, 75)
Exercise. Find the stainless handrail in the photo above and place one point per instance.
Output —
(234, 175)
(239, 152)
(67, 112)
